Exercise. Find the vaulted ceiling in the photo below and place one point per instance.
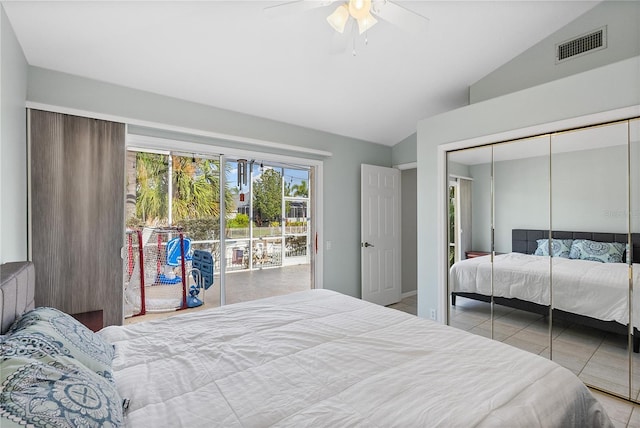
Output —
(294, 67)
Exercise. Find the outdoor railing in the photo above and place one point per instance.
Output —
(266, 249)
(266, 252)
(264, 232)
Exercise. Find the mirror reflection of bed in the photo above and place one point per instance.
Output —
(582, 185)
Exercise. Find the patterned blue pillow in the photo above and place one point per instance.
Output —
(604, 252)
(49, 393)
(559, 247)
(68, 335)
(31, 345)
(627, 253)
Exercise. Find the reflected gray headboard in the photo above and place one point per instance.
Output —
(17, 291)
(524, 240)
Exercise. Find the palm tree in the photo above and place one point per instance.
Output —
(132, 175)
(196, 189)
(151, 188)
(300, 190)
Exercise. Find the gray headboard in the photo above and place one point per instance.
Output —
(524, 240)
(17, 291)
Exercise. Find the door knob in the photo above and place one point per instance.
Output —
(366, 244)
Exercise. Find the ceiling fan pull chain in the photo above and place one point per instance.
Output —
(354, 45)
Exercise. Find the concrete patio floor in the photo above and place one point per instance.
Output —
(244, 286)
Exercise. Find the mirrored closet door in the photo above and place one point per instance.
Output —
(470, 224)
(634, 249)
(549, 267)
(521, 212)
(590, 185)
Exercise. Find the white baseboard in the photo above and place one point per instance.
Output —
(409, 294)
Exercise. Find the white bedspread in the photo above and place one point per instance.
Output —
(321, 359)
(598, 290)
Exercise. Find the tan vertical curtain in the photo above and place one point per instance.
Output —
(464, 190)
(77, 209)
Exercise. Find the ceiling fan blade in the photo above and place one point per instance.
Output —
(293, 7)
(402, 17)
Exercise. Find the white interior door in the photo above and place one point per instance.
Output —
(380, 234)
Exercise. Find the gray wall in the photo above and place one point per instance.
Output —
(522, 197)
(480, 207)
(537, 65)
(455, 168)
(341, 171)
(521, 200)
(403, 153)
(409, 215)
(13, 146)
(588, 191)
(599, 90)
(405, 150)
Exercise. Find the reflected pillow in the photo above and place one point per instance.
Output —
(604, 252)
(627, 253)
(559, 247)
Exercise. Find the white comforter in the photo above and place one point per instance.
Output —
(321, 359)
(597, 290)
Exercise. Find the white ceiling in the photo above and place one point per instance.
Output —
(231, 55)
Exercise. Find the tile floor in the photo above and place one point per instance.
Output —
(594, 356)
(408, 304)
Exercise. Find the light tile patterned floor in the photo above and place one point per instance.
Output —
(408, 304)
(593, 355)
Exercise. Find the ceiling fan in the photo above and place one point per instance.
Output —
(363, 12)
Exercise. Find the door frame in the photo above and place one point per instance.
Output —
(148, 143)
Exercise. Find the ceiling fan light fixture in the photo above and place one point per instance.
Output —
(338, 19)
(365, 23)
(359, 8)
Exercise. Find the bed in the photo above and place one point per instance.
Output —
(313, 358)
(587, 292)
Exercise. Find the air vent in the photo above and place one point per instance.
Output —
(581, 45)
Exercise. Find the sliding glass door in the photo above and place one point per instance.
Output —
(168, 193)
(267, 232)
(264, 249)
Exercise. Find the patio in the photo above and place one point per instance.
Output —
(244, 286)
